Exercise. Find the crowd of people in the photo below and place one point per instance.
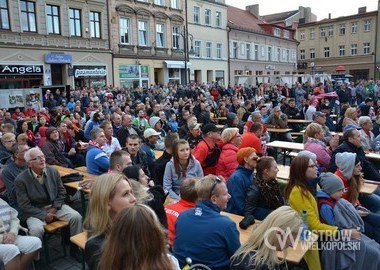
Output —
(154, 213)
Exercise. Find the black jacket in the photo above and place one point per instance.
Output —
(123, 133)
(159, 168)
(369, 170)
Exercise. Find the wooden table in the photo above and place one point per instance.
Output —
(295, 254)
(373, 156)
(286, 146)
(65, 171)
(299, 121)
(279, 130)
(283, 172)
(368, 188)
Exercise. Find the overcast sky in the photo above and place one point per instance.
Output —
(321, 8)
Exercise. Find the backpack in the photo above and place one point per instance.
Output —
(213, 156)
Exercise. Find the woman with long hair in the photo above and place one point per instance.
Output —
(22, 128)
(256, 253)
(110, 194)
(300, 195)
(350, 117)
(182, 165)
(137, 242)
(264, 195)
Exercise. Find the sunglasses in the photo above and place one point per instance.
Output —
(216, 181)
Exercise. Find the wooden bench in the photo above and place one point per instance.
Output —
(81, 169)
(51, 229)
(80, 241)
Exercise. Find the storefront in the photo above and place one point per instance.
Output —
(132, 76)
(89, 76)
(21, 76)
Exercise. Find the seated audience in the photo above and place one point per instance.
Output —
(7, 142)
(277, 119)
(350, 117)
(252, 138)
(96, 159)
(112, 143)
(366, 135)
(119, 160)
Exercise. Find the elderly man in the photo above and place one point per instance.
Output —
(40, 196)
(126, 129)
(7, 141)
(13, 169)
(203, 228)
(366, 134)
(277, 119)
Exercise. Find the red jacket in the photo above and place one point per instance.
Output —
(227, 162)
(250, 139)
(172, 213)
(200, 152)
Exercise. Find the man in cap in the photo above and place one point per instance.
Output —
(207, 151)
(151, 136)
(194, 136)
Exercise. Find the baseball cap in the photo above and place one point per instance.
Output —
(194, 126)
(209, 128)
(150, 132)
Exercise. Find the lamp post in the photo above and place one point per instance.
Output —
(185, 36)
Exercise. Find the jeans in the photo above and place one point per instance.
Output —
(261, 213)
(371, 201)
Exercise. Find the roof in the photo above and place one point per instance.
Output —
(278, 17)
(239, 18)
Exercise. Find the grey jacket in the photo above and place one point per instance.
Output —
(32, 197)
(172, 181)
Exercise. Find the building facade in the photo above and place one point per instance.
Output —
(345, 41)
(54, 43)
(258, 48)
(207, 24)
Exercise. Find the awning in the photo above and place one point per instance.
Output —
(176, 64)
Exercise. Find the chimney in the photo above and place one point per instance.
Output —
(329, 16)
(253, 9)
(362, 10)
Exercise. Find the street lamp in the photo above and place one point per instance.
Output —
(185, 36)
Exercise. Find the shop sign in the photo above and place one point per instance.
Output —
(90, 72)
(58, 58)
(133, 71)
(21, 70)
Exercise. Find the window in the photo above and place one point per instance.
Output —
(342, 29)
(4, 15)
(248, 50)
(256, 52)
(75, 22)
(196, 14)
(302, 54)
(219, 50)
(366, 48)
(269, 53)
(159, 2)
(330, 30)
(95, 24)
(208, 49)
(312, 33)
(207, 17)
(312, 53)
(367, 25)
(175, 4)
(342, 50)
(287, 55)
(160, 37)
(52, 14)
(143, 38)
(327, 52)
(286, 34)
(218, 19)
(124, 31)
(235, 49)
(197, 48)
(175, 36)
(322, 31)
(276, 32)
(354, 27)
(28, 16)
(354, 49)
(302, 35)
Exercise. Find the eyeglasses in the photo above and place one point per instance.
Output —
(41, 157)
(216, 181)
(10, 141)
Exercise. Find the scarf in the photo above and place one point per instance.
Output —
(95, 144)
(270, 192)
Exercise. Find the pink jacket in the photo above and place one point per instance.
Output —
(227, 162)
(319, 149)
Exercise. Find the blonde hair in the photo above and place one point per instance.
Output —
(228, 134)
(204, 185)
(313, 129)
(141, 194)
(8, 136)
(349, 112)
(98, 219)
(283, 218)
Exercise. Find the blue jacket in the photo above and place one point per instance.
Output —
(172, 181)
(97, 161)
(205, 236)
(237, 186)
(89, 127)
(325, 210)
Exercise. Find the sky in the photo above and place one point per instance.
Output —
(321, 8)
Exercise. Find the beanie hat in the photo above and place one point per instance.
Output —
(229, 134)
(330, 183)
(345, 162)
(153, 121)
(49, 131)
(243, 153)
(307, 153)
